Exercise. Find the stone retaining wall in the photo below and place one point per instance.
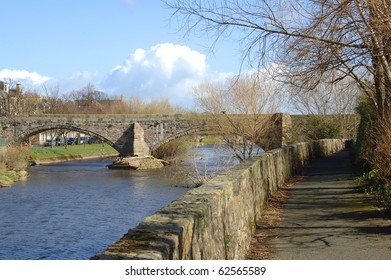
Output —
(217, 220)
(3, 147)
(3, 151)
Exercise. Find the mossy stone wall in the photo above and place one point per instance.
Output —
(217, 220)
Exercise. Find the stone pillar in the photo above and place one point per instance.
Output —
(279, 132)
(286, 126)
(140, 147)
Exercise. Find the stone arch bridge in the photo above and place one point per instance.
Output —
(130, 135)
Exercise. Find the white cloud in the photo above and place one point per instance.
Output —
(164, 70)
(23, 76)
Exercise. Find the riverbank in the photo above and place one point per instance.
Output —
(72, 210)
(14, 161)
(7, 178)
(70, 158)
(45, 155)
(17, 159)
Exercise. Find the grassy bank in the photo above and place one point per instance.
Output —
(59, 153)
(14, 163)
(7, 178)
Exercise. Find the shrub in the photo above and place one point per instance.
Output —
(378, 151)
(173, 148)
(365, 110)
(16, 158)
(320, 127)
(373, 151)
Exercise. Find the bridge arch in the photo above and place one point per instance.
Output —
(39, 129)
(193, 130)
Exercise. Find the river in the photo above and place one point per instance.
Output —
(74, 210)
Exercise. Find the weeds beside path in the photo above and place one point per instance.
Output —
(324, 216)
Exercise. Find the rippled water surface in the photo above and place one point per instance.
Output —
(76, 209)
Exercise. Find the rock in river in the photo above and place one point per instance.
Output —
(137, 163)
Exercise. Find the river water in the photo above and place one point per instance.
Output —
(74, 210)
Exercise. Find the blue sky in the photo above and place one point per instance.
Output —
(124, 47)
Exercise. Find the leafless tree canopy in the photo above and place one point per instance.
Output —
(253, 93)
(238, 110)
(310, 37)
(327, 98)
(87, 100)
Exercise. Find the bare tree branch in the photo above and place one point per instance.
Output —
(310, 38)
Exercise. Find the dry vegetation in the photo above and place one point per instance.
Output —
(13, 165)
(238, 111)
(376, 151)
(271, 216)
(87, 100)
(309, 41)
(381, 141)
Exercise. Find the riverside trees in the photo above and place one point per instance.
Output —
(310, 39)
(238, 110)
(337, 100)
(87, 100)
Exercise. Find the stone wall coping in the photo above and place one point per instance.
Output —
(217, 220)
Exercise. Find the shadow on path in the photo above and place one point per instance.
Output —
(326, 217)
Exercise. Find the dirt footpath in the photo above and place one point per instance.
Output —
(325, 216)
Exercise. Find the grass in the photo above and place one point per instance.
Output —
(41, 154)
(7, 177)
(69, 152)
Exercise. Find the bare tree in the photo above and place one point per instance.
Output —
(328, 109)
(31, 103)
(87, 100)
(52, 102)
(309, 37)
(238, 111)
(136, 105)
(327, 98)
